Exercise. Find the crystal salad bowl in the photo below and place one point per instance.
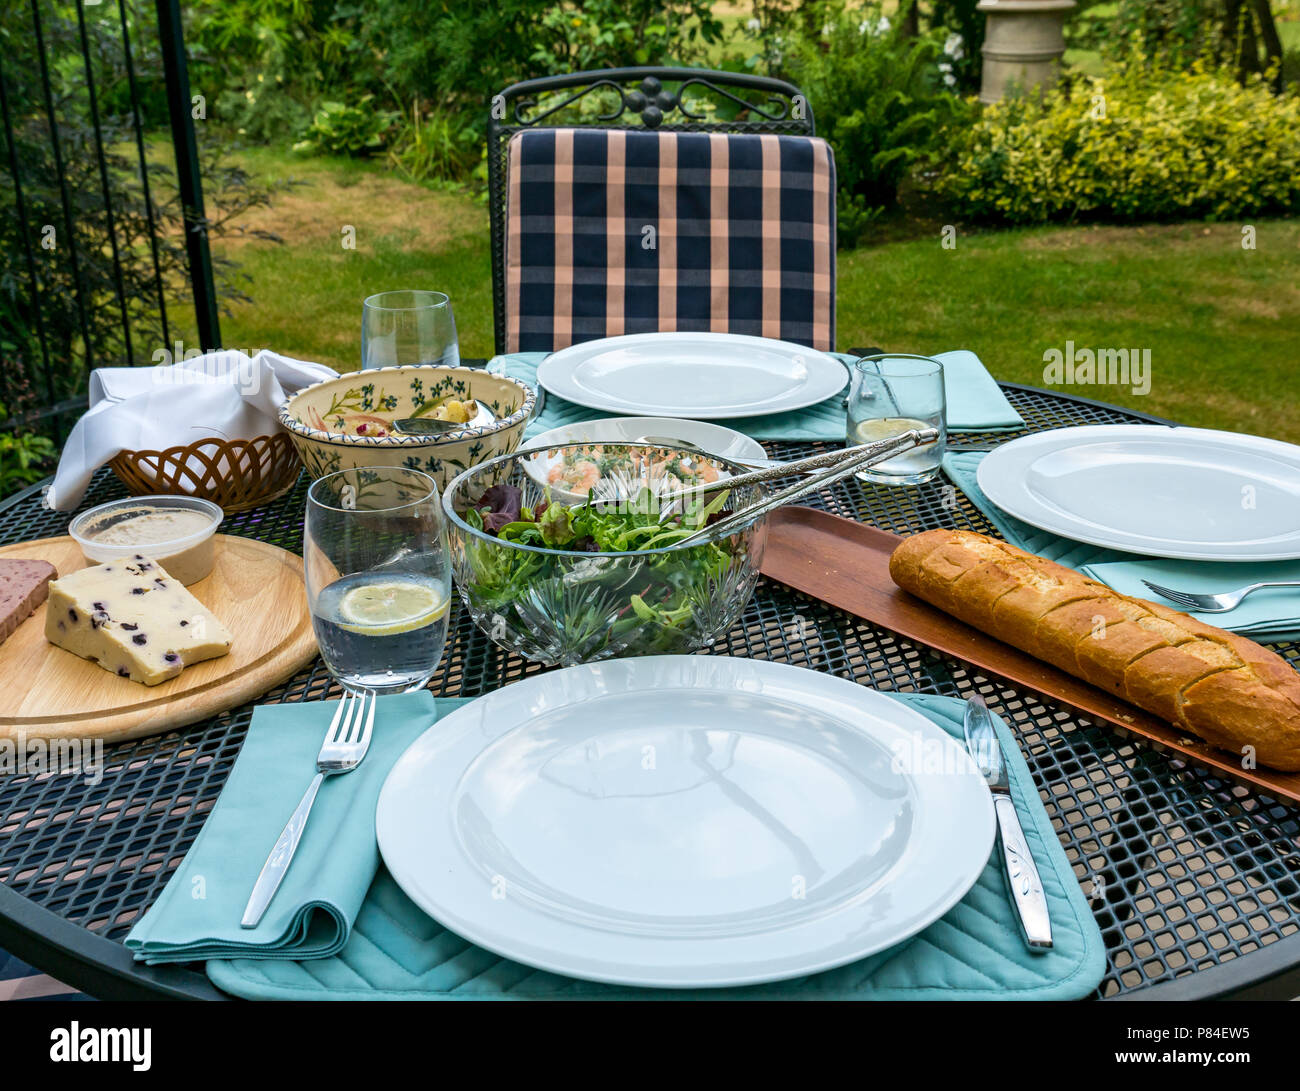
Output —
(565, 583)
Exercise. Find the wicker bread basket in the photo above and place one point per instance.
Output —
(237, 474)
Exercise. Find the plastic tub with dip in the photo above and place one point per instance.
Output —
(175, 531)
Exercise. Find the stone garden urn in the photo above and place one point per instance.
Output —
(1023, 44)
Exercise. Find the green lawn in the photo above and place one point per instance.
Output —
(1221, 322)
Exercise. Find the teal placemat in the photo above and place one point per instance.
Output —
(975, 404)
(1268, 619)
(396, 952)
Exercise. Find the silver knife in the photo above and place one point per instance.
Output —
(1017, 864)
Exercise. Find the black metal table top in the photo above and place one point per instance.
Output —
(1194, 881)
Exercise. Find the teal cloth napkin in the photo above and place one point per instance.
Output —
(975, 404)
(197, 915)
(1272, 615)
(975, 401)
(974, 952)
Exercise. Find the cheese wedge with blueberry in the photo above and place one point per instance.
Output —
(133, 619)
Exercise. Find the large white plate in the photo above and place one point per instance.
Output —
(685, 821)
(710, 375)
(711, 438)
(1188, 493)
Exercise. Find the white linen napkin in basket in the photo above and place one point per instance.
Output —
(227, 394)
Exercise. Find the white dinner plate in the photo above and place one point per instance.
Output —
(710, 375)
(712, 438)
(1187, 493)
(685, 821)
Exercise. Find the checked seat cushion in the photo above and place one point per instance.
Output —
(613, 231)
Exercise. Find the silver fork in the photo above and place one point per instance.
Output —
(344, 747)
(1214, 604)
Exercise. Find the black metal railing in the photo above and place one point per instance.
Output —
(103, 237)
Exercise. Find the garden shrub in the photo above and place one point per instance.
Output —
(964, 25)
(435, 146)
(349, 128)
(879, 98)
(614, 33)
(266, 64)
(334, 75)
(1134, 145)
(25, 457)
(1175, 33)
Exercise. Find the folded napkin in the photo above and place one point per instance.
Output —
(1272, 615)
(974, 952)
(975, 404)
(197, 915)
(225, 394)
(975, 401)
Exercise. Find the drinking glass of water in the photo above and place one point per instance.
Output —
(378, 576)
(408, 328)
(892, 394)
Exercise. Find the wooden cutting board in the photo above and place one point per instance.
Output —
(846, 564)
(255, 589)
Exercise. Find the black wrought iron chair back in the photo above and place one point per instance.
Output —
(679, 99)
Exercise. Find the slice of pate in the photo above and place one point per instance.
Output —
(133, 619)
(23, 587)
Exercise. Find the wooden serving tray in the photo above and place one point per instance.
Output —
(255, 589)
(846, 564)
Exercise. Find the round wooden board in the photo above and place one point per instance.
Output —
(254, 589)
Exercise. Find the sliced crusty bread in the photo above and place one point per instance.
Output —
(1218, 685)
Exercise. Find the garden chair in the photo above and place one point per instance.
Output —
(641, 199)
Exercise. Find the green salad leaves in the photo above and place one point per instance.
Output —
(645, 604)
(622, 527)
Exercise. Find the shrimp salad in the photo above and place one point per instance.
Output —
(580, 469)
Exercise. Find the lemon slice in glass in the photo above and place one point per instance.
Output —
(391, 607)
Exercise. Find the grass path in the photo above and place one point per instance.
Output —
(1222, 322)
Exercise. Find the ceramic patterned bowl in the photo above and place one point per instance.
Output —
(346, 423)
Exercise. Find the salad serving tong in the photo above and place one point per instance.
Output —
(833, 466)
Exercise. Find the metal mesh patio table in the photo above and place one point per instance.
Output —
(1194, 880)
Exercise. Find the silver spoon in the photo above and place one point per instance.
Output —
(430, 426)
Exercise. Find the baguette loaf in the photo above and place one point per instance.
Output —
(1220, 686)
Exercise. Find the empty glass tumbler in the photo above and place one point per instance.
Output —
(401, 328)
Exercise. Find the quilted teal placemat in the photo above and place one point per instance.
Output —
(975, 404)
(396, 952)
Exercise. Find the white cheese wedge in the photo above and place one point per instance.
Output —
(133, 619)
